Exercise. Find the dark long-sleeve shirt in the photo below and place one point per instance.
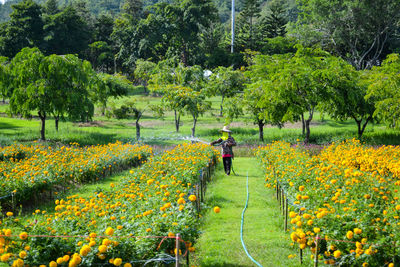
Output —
(226, 145)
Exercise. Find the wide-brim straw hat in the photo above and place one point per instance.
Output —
(226, 129)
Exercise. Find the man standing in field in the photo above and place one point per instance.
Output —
(226, 142)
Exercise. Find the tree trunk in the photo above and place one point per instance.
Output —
(185, 55)
(137, 130)
(56, 120)
(194, 125)
(177, 120)
(222, 102)
(261, 130)
(303, 124)
(42, 117)
(251, 33)
(307, 124)
(361, 128)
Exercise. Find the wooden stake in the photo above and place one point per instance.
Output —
(286, 214)
(316, 251)
(301, 256)
(177, 251)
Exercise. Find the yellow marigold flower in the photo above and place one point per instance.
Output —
(106, 242)
(301, 188)
(117, 261)
(23, 254)
(357, 231)
(317, 230)
(349, 235)
(85, 250)
(337, 254)
(102, 248)
(181, 200)
(170, 234)
(109, 231)
(9, 214)
(53, 264)
(292, 214)
(18, 263)
(23, 235)
(66, 258)
(192, 198)
(127, 264)
(148, 230)
(217, 209)
(7, 232)
(92, 235)
(60, 260)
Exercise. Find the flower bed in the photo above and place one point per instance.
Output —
(41, 168)
(353, 209)
(154, 200)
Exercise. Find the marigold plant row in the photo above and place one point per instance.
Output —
(28, 170)
(346, 196)
(154, 200)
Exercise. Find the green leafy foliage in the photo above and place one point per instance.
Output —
(384, 90)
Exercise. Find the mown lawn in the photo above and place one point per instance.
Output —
(161, 131)
(266, 241)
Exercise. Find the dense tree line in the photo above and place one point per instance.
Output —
(189, 30)
(288, 61)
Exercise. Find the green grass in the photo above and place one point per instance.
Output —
(161, 131)
(265, 239)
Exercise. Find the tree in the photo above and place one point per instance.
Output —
(274, 24)
(49, 85)
(4, 78)
(25, 28)
(290, 85)
(192, 102)
(133, 8)
(66, 33)
(101, 56)
(103, 28)
(106, 86)
(357, 31)
(188, 18)
(67, 79)
(143, 71)
(384, 85)
(246, 24)
(225, 82)
(347, 89)
(51, 7)
(167, 76)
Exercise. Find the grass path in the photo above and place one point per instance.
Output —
(265, 239)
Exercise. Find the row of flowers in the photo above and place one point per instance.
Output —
(111, 226)
(352, 208)
(41, 168)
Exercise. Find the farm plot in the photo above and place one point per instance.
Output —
(122, 225)
(343, 199)
(26, 172)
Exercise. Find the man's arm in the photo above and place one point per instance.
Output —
(216, 142)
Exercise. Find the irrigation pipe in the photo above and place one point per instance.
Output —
(241, 225)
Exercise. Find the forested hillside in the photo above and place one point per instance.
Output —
(114, 6)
